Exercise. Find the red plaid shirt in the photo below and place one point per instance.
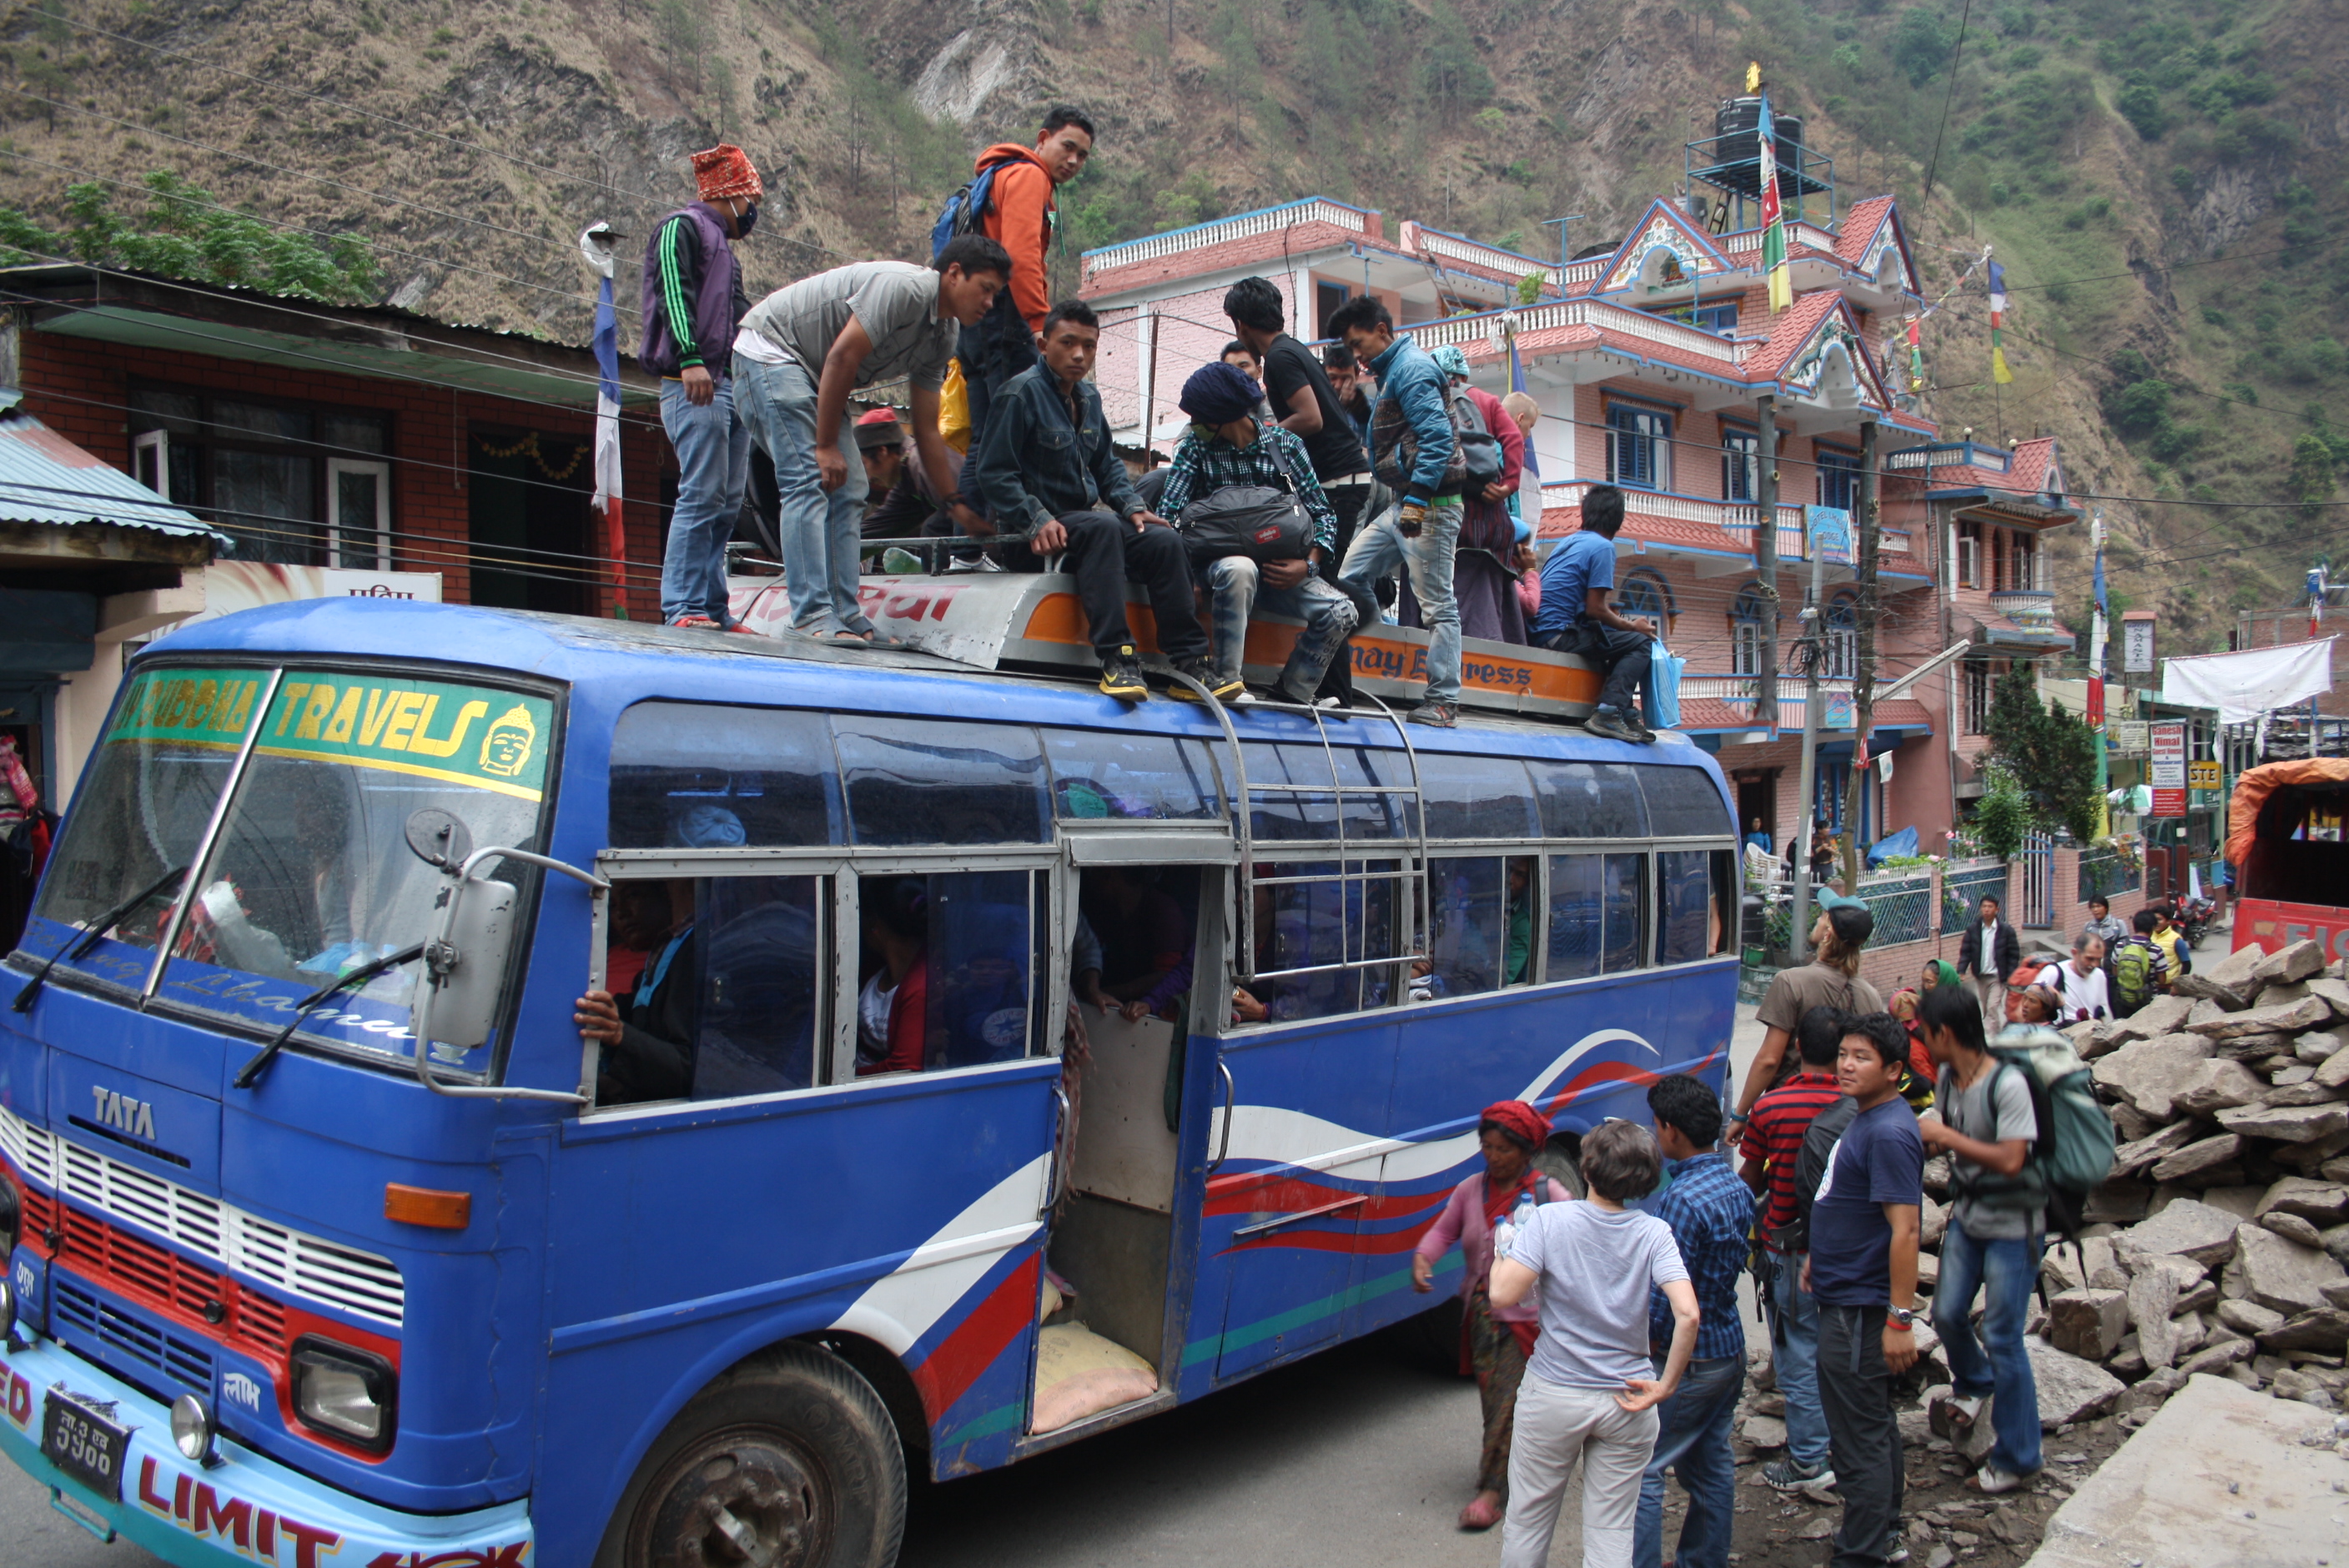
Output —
(1774, 1133)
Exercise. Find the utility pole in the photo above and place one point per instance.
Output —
(1813, 644)
(1765, 560)
(1564, 248)
(2096, 666)
(1863, 685)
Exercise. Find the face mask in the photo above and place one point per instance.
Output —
(746, 220)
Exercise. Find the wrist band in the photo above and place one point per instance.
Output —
(1899, 1328)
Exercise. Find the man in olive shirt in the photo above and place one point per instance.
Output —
(1831, 979)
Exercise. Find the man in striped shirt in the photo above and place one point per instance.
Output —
(1774, 1140)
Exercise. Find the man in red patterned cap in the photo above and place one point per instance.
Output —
(693, 302)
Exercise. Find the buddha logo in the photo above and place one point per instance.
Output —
(506, 749)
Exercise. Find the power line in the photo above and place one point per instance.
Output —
(1934, 165)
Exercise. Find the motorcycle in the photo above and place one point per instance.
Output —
(2195, 916)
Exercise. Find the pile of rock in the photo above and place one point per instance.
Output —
(2218, 1245)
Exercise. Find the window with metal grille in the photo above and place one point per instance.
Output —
(1977, 696)
(1739, 451)
(1638, 445)
(1843, 639)
(1838, 478)
(1745, 631)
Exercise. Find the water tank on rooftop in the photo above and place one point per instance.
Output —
(1741, 118)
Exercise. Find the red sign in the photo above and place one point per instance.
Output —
(2168, 749)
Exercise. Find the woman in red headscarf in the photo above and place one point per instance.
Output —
(1493, 1341)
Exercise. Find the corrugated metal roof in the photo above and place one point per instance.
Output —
(45, 478)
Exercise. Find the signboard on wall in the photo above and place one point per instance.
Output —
(2202, 773)
(2136, 648)
(2168, 741)
(1829, 528)
(233, 585)
(2129, 737)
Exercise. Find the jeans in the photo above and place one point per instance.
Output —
(1103, 553)
(1855, 1391)
(1620, 656)
(820, 528)
(1380, 547)
(1996, 1365)
(1557, 1426)
(1327, 614)
(713, 466)
(1794, 1354)
(1692, 1440)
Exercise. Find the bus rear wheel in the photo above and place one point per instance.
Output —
(789, 1461)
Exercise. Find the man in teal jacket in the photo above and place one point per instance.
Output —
(1412, 449)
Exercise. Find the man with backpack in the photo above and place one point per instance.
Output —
(1862, 1269)
(1010, 199)
(1415, 452)
(1773, 1149)
(1227, 447)
(2139, 968)
(1989, 1128)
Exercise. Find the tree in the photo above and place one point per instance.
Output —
(2140, 105)
(184, 233)
(1921, 44)
(2313, 472)
(2051, 755)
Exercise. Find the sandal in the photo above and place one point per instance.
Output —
(1963, 1410)
(696, 624)
(882, 640)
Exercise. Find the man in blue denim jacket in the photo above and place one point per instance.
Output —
(1411, 449)
(1055, 486)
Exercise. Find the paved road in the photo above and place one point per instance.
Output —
(1356, 1459)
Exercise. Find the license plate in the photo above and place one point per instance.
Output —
(84, 1444)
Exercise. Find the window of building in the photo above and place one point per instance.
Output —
(1843, 639)
(295, 485)
(2018, 560)
(1639, 446)
(1970, 554)
(1978, 683)
(1327, 298)
(1838, 478)
(1745, 631)
(1645, 594)
(1720, 318)
(1739, 451)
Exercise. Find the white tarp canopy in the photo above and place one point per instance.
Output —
(2244, 686)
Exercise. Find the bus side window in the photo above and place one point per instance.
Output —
(934, 781)
(1476, 797)
(1480, 930)
(1597, 914)
(1685, 803)
(1142, 778)
(718, 984)
(1590, 800)
(770, 767)
(1684, 902)
(947, 974)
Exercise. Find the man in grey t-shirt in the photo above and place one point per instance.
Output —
(800, 352)
(1988, 1128)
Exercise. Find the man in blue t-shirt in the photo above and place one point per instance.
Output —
(1862, 1273)
(1576, 618)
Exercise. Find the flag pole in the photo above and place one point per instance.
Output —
(597, 245)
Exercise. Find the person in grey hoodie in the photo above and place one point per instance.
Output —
(1415, 451)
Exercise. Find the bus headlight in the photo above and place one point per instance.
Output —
(7, 1308)
(344, 1393)
(191, 1428)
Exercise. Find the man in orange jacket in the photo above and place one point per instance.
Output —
(1020, 216)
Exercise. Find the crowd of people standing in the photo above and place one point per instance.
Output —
(1406, 486)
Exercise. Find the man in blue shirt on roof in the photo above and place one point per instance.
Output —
(1575, 617)
(1413, 450)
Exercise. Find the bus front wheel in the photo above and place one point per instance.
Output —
(788, 1460)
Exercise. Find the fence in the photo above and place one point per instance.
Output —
(1963, 887)
(2104, 872)
(1902, 903)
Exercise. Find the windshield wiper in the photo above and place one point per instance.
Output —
(104, 922)
(250, 1073)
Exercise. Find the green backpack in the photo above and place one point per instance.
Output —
(2133, 973)
(2074, 1153)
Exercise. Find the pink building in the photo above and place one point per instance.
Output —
(1648, 357)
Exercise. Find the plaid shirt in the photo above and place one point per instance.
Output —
(1711, 1213)
(1205, 462)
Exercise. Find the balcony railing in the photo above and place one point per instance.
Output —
(1269, 219)
(1598, 313)
(2032, 607)
(1736, 520)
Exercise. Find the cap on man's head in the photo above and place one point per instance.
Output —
(879, 428)
(1853, 922)
(725, 170)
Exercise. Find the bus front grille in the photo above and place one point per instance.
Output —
(114, 1333)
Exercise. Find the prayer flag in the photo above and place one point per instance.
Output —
(1774, 223)
(1998, 370)
(597, 247)
(1916, 354)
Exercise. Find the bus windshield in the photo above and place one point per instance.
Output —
(311, 873)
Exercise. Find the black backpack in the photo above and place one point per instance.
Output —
(1256, 520)
(1810, 1170)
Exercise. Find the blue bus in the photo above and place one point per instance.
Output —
(996, 1065)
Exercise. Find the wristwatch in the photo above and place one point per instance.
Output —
(1904, 1316)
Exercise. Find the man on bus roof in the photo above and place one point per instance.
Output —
(1055, 486)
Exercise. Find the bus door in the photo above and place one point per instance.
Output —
(1321, 933)
(834, 1108)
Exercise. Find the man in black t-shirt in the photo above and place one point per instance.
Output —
(1306, 403)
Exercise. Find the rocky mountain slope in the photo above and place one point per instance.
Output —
(2157, 175)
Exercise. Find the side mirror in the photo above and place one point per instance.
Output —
(467, 969)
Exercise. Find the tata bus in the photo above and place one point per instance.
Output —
(333, 1239)
(2288, 839)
